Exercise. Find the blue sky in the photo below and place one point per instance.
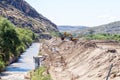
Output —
(78, 12)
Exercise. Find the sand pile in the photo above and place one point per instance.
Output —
(84, 60)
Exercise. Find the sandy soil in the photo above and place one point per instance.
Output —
(84, 60)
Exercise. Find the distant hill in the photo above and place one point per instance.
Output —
(111, 28)
(21, 14)
(67, 28)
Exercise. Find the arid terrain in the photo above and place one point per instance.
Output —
(82, 60)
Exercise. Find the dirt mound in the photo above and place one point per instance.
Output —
(84, 60)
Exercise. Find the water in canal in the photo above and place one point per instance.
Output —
(18, 70)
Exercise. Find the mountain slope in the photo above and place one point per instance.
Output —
(22, 14)
(111, 28)
(67, 28)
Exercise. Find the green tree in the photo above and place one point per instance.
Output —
(13, 41)
(8, 37)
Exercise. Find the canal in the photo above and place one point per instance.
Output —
(25, 63)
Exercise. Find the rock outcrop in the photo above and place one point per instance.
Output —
(21, 14)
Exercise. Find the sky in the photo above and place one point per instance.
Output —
(78, 12)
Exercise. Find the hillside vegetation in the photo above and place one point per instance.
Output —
(13, 41)
(21, 14)
(115, 37)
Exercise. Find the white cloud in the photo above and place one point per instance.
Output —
(108, 18)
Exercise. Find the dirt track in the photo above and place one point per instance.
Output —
(84, 60)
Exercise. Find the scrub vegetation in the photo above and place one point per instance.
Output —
(13, 41)
(40, 74)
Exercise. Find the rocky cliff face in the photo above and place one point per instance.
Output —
(22, 14)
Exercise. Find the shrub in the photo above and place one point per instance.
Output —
(13, 40)
(103, 37)
(55, 34)
(39, 74)
(2, 65)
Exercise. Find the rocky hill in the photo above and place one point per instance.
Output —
(67, 28)
(22, 14)
(111, 28)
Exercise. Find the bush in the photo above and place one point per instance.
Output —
(2, 65)
(38, 74)
(55, 34)
(103, 37)
(13, 40)
(9, 39)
